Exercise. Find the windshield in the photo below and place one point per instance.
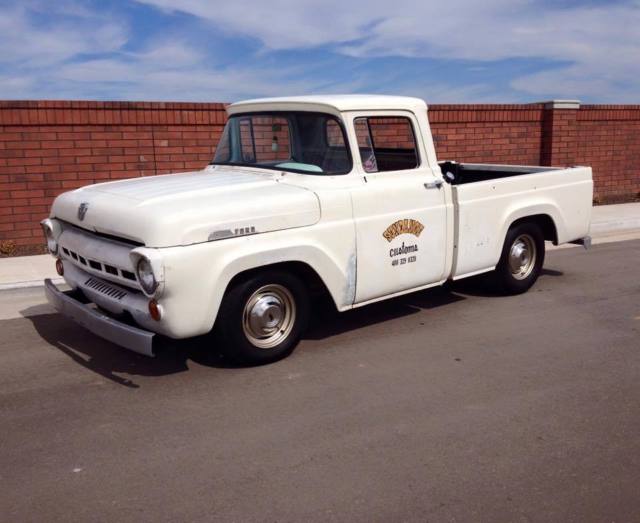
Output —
(303, 142)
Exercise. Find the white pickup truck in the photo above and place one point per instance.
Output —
(335, 194)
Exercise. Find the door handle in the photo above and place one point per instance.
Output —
(434, 185)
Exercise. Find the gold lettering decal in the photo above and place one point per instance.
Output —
(406, 226)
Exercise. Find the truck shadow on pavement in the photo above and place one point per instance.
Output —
(98, 355)
(327, 322)
(110, 361)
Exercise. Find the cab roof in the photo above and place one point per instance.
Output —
(339, 103)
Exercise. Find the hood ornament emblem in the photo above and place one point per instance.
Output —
(82, 210)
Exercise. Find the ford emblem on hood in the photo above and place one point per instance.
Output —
(82, 210)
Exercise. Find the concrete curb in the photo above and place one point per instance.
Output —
(600, 239)
(627, 224)
(28, 284)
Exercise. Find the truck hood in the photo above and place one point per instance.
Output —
(187, 208)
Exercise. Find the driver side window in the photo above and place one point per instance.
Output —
(386, 143)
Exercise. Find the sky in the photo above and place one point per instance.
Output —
(444, 51)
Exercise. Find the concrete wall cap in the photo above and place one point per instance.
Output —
(562, 104)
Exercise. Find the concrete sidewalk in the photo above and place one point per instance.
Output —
(27, 271)
(608, 223)
(607, 219)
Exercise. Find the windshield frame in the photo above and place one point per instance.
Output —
(283, 113)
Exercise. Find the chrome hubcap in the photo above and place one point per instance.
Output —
(522, 256)
(269, 316)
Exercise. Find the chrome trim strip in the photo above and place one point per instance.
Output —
(132, 338)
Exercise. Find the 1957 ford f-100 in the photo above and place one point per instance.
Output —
(338, 193)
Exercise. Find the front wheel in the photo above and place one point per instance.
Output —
(521, 259)
(262, 317)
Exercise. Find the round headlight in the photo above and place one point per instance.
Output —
(52, 244)
(147, 279)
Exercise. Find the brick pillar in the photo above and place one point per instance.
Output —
(559, 132)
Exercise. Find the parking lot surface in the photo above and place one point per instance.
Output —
(451, 404)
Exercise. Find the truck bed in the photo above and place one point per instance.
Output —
(461, 173)
(488, 198)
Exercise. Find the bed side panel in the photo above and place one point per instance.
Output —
(485, 210)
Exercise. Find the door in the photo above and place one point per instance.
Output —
(400, 210)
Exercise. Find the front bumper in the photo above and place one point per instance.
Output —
(127, 336)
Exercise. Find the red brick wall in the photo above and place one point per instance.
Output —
(50, 147)
(510, 134)
(608, 139)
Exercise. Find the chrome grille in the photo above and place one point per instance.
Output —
(102, 258)
(105, 288)
(98, 266)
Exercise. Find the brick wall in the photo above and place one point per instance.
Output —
(510, 134)
(607, 137)
(49, 147)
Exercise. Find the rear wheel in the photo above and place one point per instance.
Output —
(521, 259)
(262, 317)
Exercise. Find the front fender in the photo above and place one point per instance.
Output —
(197, 276)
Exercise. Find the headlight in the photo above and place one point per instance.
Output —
(145, 275)
(52, 242)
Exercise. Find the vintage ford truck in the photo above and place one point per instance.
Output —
(335, 194)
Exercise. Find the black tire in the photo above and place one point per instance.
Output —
(271, 293)
(521, 238)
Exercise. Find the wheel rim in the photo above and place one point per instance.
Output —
(522, 256)
(269, 316)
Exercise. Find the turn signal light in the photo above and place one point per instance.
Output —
(154, 310)
(59, 267)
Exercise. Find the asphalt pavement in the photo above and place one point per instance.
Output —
(452, 404)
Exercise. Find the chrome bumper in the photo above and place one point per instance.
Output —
(132, 338)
